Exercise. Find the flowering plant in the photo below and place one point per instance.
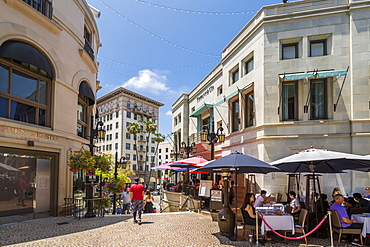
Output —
(81, 160)
(115, 185)
(103, 162)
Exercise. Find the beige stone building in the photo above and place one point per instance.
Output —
(296, 76)
(117, 110)
(48, 74)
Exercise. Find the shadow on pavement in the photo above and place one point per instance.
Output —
(36, 229)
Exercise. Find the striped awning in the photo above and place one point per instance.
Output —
(314, 74)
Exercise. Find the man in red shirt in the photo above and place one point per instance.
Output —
(137, 196)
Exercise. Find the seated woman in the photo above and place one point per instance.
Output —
(294, 204)
(248, 212)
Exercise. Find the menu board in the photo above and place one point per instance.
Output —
(205, 187)
(216, 195)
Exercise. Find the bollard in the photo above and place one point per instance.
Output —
(331, 229)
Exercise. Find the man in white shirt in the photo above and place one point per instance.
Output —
(262, 199)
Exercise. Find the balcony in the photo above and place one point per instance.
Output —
(45, 7)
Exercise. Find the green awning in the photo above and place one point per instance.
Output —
(200, 110)
(310, 75)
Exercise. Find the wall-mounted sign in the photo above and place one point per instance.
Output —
(28, 134)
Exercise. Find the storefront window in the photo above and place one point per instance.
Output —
(19, 175)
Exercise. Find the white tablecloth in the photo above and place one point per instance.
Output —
(362, 219)
(278, 222)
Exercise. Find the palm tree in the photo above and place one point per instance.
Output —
(149, 128)
(158, 139)
(134, 129)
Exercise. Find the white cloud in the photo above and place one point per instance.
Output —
(147, 80)
(169, 113)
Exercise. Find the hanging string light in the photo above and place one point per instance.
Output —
(142, 67)
(197, 11)
(156, 36)
(116, 71)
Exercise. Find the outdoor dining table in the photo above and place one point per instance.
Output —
(277, 222)
(365, 219)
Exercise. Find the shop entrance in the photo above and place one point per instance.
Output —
(25, 186)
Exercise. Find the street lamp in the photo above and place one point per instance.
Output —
(212, 138)
(122, 161)
(95, 133)
(188, 149)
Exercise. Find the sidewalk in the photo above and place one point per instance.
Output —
(160, 229)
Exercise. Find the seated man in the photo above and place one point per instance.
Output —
(362, 203)
(343, 216)
(262, 199)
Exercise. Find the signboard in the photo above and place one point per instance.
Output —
(216, 195)
(205, 187)
(91, 179)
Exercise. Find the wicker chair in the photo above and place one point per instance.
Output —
(337, 227)
(299, 228)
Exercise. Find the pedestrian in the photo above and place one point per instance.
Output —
(21, 191)
(148, 202)
(126, 202)
(343, 217)
(136, 197)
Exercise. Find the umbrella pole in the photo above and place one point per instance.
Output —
(236, 203)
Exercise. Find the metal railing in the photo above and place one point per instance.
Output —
(78, 207)
(45, 7)
(89, 50)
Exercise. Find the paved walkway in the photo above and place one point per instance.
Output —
(161, 229)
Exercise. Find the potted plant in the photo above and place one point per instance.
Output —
(103, 162)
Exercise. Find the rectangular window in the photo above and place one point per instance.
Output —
(289, 51)
(160, 150)
(319, 99)
(117, 114)
(290, 101)
(135, 116)
(116, 135)
(128, 146)
(249, 65)
(234, 76)
(219, 91)
(152, 149)
(134, 157)
(166, 150)
(116, 145)
(128, 124)
(235, 115)
(128, 114)
(249, 109)
(318, 48)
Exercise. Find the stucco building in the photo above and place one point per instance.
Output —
(48, 74)
(296, 76)
(117, 110)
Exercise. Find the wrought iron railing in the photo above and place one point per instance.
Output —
(78, 207)
(45, 7)
(89, 50)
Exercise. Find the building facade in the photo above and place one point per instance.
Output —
(117, 110)
(296, 76)
(48, 73)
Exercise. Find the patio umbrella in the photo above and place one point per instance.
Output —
(9, 168)
(321, 161)
(241, 163)
(166, 166)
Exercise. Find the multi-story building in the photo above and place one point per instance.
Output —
(48, 73)
(296, 76)
(117, 110)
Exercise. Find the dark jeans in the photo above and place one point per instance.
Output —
(355, 226)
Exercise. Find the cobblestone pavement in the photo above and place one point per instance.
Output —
(160, 229)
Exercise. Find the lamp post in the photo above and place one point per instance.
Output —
(117, 164)
(95, 133)
(213, 137)
(188, 149)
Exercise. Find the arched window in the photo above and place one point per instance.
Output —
(25, 84)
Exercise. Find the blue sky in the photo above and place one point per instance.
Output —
(163, 48)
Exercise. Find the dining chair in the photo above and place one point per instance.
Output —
(249, 227)
(358, 210)
(299, 228)
(337, 227)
